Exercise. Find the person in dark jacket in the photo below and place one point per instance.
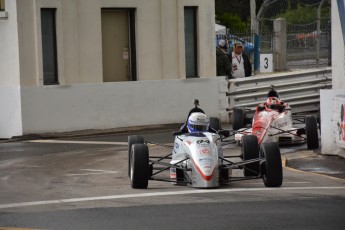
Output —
(241, 66)
(223, 62)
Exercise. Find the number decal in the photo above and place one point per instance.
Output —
(266, 61)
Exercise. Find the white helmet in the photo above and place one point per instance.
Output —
(197, 122)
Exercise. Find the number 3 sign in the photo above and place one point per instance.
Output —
(266, 63)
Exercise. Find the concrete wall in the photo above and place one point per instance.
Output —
(338, 49)
(330, 114)
(29, 107)
(159, 39)
(10, 112)
(9, 49)
(107, 105)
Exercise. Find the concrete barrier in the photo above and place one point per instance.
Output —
(62, 108)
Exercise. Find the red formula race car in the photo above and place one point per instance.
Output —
(273, 122)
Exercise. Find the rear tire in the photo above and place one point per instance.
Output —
(139, 172)
(215, 123)
(271, 169)
(311, 132)
(134, 139)
(250, 150)
(238, 118)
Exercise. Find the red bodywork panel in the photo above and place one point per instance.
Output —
(261, 123)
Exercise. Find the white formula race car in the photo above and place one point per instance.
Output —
(273, 122)
(197, 159)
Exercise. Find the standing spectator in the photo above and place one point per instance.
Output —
(241, 66)
(223, 62)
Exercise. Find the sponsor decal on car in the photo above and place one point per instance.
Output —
(203, 141)
(176, 146)
(205, 151)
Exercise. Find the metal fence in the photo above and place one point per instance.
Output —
(308, 31)
(306, 48)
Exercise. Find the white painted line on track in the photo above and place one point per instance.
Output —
(92, 172)
(88, 174)
(78, 142)
(156, 194)
(285, 182)
(95, 170)
(8, 228)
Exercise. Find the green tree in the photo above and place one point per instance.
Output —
(235, 14)
(303, 15)
(232, 21)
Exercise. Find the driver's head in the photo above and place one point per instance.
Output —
(272, 102)
(197, 122)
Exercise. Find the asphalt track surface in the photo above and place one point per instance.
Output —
(82, 183)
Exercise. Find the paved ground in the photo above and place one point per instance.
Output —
(312, 161)
(301, 159)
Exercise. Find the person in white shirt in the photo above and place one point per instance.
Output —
(241, 66)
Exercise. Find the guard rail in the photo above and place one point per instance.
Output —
(301, 90)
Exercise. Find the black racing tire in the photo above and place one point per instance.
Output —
(311, 132)
(139, 172)
(271, 169)
(180, 180)
(215, 123)
(224, 175)
(250, 150)
(238, 118)
(134, 139)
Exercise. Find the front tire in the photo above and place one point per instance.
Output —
(134, 139)
(238, 118)
(271, 169)
(250, 150)
(311, 132)
(139, 172)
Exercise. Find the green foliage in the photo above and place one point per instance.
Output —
(302, 14)
(231, 21)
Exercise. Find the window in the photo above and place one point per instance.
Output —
(190, 30)
(2, 5)
(49, 50)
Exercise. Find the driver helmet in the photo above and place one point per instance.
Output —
(272, 102)
(197, 122)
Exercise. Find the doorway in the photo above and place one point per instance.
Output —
(118, 45)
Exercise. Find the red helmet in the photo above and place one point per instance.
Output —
(272, 102)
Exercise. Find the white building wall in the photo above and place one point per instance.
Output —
(9, 49)
(30, 107)
(159, 39)
(338, 49)
(10, 103)
(329, 99)
(10, 112)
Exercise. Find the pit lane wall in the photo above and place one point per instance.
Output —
(63, 108)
